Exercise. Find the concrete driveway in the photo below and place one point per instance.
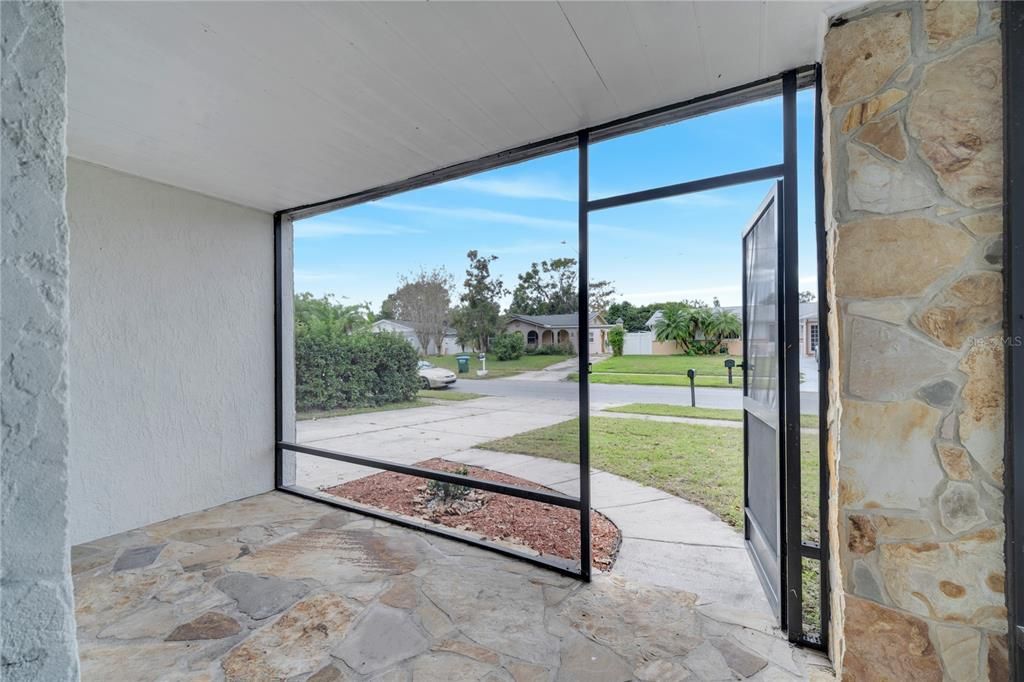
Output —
(667, 540)
(412, 435)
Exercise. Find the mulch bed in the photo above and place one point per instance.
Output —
(543, 528)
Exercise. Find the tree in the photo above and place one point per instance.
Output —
(387, 308)
(550, 288)
(723, 324)
(509, 346)
(807, 297)
(424, 299)
(325, 316)
(697, 329)
(477, 319)
(675, 325)
(617, 339)
(634, 318)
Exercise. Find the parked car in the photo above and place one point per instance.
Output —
(432, 376)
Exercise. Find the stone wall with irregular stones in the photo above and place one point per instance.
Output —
(913, 107)
(37, 627)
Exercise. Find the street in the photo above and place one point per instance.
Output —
(605, 394)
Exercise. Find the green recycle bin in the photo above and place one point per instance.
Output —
(463, 361)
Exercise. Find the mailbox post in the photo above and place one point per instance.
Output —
(482, 372)
(729, 364)
(693, 394)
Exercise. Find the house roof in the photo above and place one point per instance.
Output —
(253, 101)
(566, 321)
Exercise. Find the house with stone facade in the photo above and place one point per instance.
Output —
(154, 157)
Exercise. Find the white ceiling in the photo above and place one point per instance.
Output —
(274, 105)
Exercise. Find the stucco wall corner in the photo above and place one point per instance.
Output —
(37, 627)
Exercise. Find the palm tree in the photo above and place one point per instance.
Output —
(723, 324)
(676, 324)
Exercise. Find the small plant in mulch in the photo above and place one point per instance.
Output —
(440, 498)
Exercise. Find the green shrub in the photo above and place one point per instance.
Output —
(554, 349)
(617, 338)
(508, 346)
(335, 370)
(447, 493)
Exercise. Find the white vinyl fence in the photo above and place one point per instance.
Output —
(638, 343)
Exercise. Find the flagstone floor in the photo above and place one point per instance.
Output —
(275, 587)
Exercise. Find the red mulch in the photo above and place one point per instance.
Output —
(544, 528)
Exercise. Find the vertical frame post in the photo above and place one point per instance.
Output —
(1013, 264)
(823, 361)
(584, 352)
(792, 581)
(278, 349)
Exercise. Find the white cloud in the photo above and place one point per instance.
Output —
(519, 188)
(480, 214)
(320, 227)
(486, 215)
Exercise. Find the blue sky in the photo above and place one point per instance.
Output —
(682, 247)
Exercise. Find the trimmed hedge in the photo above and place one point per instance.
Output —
(336, 371)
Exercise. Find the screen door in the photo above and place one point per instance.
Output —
(762, 398)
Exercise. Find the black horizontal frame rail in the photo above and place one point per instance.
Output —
(673, 113)
(690, 187)
(556, 499)
(564, 566)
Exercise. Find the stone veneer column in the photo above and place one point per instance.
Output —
(37, 627)
(913, 116)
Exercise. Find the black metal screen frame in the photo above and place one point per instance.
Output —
(785, 84)
(1013, 266)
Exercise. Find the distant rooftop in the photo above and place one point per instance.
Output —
(566, 320)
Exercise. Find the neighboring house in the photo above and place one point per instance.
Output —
(547, 330)
(449, 344)
(808, 331)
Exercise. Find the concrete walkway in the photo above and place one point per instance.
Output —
(559, 371)
(667, 541)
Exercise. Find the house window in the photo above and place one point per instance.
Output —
(814, 336)
(531, 338)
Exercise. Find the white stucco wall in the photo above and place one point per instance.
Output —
(171, 351)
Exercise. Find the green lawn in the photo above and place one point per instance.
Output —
(702, 464)
(704, 380)
(443, 394)
(807, 421)
(497, 368)
(323, 414)
(668, 364)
